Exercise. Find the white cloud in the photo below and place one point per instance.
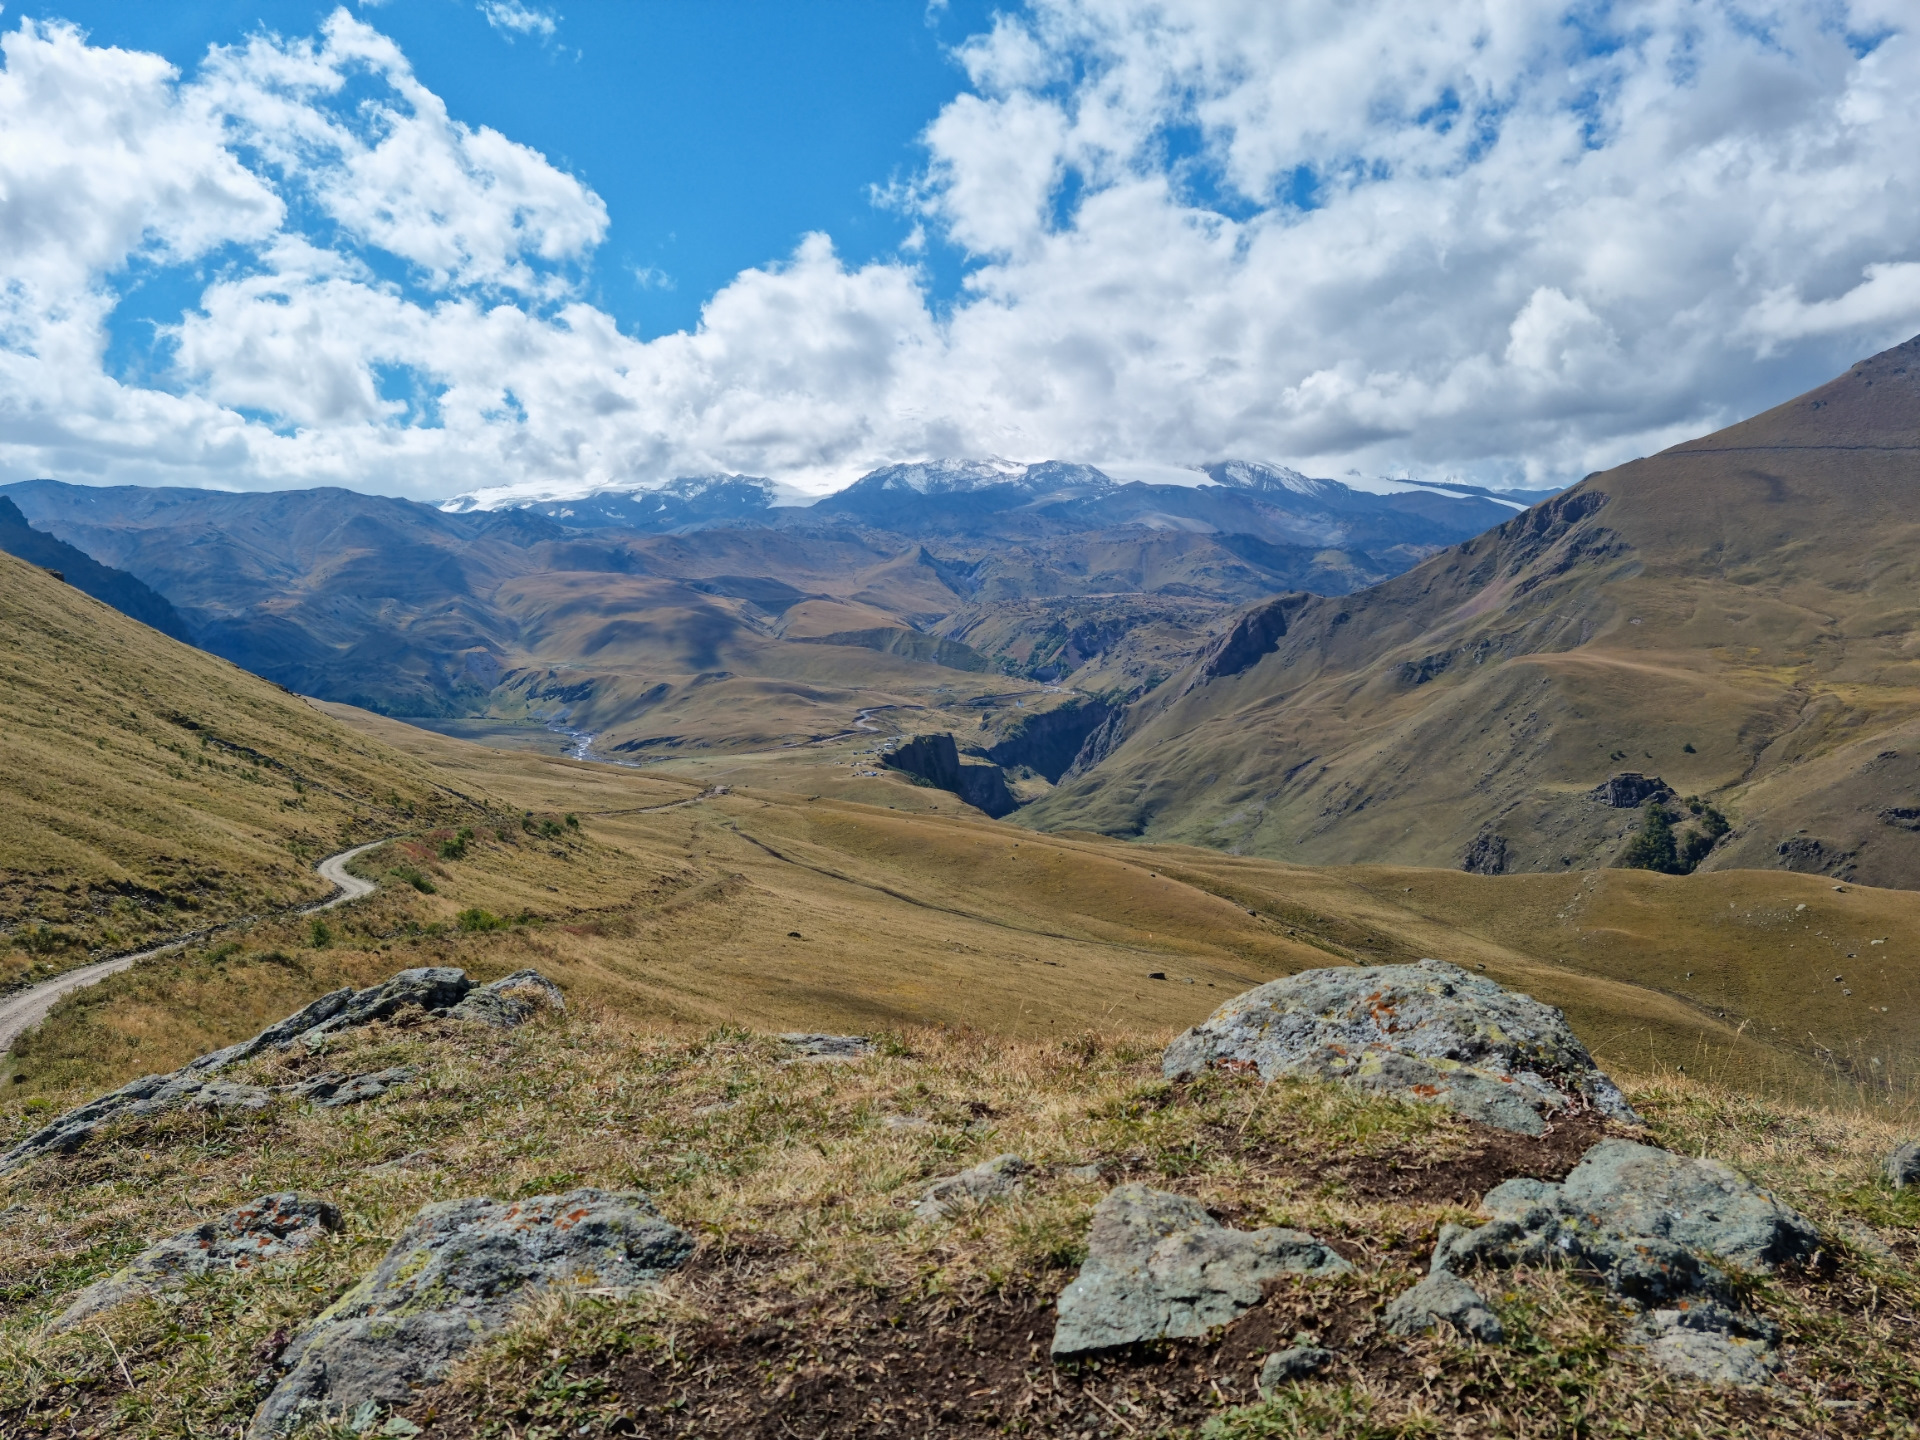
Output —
(1490, 241)
(517, 19)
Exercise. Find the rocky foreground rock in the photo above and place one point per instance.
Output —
(1159, 1266)
(272, 1228)
(440, 990)
(454, 1276)
(1666, 1233)
(1427, 1031)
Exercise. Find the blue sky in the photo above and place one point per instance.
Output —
(507, 249)
(717, 133)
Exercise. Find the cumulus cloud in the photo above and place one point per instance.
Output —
(1504, 242)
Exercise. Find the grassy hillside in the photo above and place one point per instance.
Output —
(1021, 986)
(148, 788)
(679, 907)
(816, 1305)
(1735, 615)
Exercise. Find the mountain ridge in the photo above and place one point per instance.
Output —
(1739, 625)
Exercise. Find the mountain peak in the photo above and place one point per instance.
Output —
(1874, 406)
(1257, 475)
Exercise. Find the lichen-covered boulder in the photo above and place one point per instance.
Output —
(272, 1228)
(455, 1275)
(1427, 1031)
(1158, 1266)
(989, 1180)
(1659, 1230)
(434, 988)
(509, 1001)
(1650, 1223)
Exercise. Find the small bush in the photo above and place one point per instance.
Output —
(573, 822)
(319, 935)
(478, 919)
(43, 939)
(456, 848)
(411, 875)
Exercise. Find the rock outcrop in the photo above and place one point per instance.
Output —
(1428, 1031)
(454, 1276)
(989, 1180)
(1629, 790)
(439, 990)
(274, 1227)
(1158, 1266)
(1659, 1230)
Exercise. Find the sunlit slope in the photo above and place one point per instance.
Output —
(682, 906)
(1736, 615)
(147, 787)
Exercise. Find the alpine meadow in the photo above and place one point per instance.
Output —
(1099, 719)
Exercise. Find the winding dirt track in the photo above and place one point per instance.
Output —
(22, 1011)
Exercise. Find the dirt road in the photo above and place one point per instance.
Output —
(21, 1011)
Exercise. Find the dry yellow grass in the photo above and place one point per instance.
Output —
(148, 788)
(795, 1178)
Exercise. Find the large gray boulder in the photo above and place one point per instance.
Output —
(1158, 1266)
(440, 990)
(1659, 1230)
(453, 1277)
(1427, 1031)
(272, 1228)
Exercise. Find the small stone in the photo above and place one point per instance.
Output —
(806, 1046)
(906, 1122)
(1159, 1266)
(990, 1180)
(1296, 1363)
(1903, 1165)
(1707, 1342)
(273, 1227)
(1443, 1299)
(1086, 1174)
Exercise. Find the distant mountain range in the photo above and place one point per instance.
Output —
(424, 610)
(962, 499)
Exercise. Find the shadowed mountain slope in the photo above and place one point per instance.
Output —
(1736, 615)
(124, 592)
